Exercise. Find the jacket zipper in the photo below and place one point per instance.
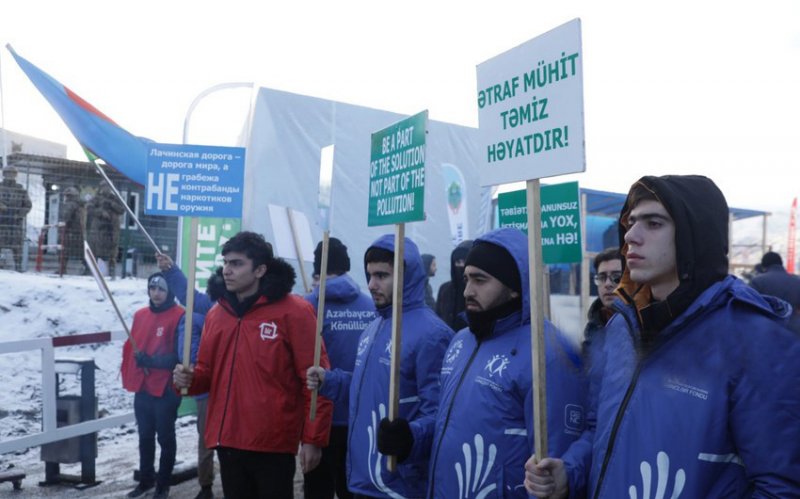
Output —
(358, 398)
(447, 418)
(230, 381)
(619, 416)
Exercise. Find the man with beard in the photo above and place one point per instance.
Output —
(423, 342)
(484, 425)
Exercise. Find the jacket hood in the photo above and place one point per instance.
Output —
(459, 253)
(278, 281)
(700, 214)
(341, 288)
(516, 243)
(414, 274)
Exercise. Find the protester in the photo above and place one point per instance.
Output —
(429, 264)
(348, 311)
(257, 343)
(215, 287)
(486, 411)
(701, 398)
(775, 281)
(72, 214)
(14, 206)
(102, 226)
(608, 273)
(450, 300)
(424, 339)
(146, 373)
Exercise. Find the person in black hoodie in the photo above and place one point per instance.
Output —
(450, 300)
(698, 375)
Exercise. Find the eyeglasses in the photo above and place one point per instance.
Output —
(614, 277)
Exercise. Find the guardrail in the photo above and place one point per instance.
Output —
(50, 430)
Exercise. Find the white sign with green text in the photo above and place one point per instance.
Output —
(530, 109)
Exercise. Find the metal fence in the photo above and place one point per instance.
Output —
(65, 209)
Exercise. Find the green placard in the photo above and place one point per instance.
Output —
(397, 172)
(561, 220)
(212, 233)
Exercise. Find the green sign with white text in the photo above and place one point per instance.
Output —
(212, 233)
(561, 220)
(397, 172)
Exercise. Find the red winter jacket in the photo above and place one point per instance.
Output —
(254, 369)
(154, 334)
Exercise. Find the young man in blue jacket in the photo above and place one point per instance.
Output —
(484, 426)
(423, 342)
(348, 311)
(701, 397)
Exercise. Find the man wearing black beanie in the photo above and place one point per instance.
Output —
(348, 311)
(485, 409)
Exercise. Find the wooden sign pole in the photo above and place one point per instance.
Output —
(397, 331)
(535, 263)
(323, 277)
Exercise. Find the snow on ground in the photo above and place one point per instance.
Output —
(43, 306)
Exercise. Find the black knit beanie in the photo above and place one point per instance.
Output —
(338, 260)
(497, 262)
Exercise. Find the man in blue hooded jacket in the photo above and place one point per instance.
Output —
(423, 342)
(484, 426)
(701, 399)
(348, 311)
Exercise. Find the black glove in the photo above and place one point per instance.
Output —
(395, 438)
(143, 360)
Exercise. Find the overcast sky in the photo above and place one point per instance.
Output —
(682, 87)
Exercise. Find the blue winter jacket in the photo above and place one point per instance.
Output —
(713, 411)
(348, 311)
(178, 285)
(202, 304)
(424, 339)
(484, 427)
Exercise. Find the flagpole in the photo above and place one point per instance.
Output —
(121, 200)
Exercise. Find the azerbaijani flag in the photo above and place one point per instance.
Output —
(97, 133)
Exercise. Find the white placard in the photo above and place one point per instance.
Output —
(530, 109)
(283, 246)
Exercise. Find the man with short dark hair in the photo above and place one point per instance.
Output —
(256, 346)
(701, 399)
(608, 273)
(215, 288)
(423, 342)
(775, 281)
(485, 425)
(348, 311)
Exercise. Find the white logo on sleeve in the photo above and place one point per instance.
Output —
(454, 351)
(662, 479)
(497, 364)
(269, 330)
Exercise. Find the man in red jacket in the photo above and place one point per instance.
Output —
(254, 352)
(146, 372)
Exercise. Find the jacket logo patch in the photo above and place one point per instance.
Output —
(496, 365)
(269, 331)
(661, 478)
(453, 352)
(573, 418)
(160, 331)
(362, 345)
